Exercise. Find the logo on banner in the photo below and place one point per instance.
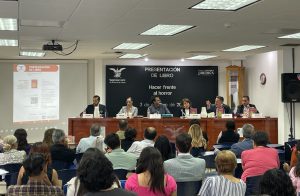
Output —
(117, 79)
(206, 72)
(21, 68)
(117, 72)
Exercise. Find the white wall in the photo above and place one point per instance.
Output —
(263, 96)
(267, 97)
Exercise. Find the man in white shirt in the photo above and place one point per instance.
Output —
(137, 146)
(185, 167)
(95, 140)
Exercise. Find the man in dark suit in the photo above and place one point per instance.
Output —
(218, 106)
(96, 104)
(246, 107)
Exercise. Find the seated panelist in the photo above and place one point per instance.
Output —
(157, 107)
(95, 107)
(246, 108)
(186, 108)
(129, 109)
(219, 107)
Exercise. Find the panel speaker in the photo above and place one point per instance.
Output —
(290, 87)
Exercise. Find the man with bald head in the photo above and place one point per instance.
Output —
(137, 146)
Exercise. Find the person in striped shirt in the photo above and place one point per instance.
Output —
(225, 183)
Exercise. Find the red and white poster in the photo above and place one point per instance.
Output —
(36, 92)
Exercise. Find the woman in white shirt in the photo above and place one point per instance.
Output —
(129, 109)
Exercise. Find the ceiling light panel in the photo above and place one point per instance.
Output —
(167, 29)
(228, 5)
(132, 56)
(8, 42)
(243, 48)
(201, 57)
(8, 24)
(291, 36)
(32, 54)
(131, 46)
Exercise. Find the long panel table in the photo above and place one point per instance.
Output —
(171, 127)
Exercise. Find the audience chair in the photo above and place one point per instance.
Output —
(252, 185)
(188, 188)
(122, 183)
(11, 168)
(11, 178)
(66, 175)
(78, 157)
(209, 157)
(121, 173)
(65, 189)
(61, 165)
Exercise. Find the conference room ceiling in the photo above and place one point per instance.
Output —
(100, 25)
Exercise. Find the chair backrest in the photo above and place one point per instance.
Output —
(209, 159)
(11, 178)
(60, 165)
(11, 168)
(188, 188)
(123, 182)
(252, 185)
(121, 173)
(78, 157)
(66, 175)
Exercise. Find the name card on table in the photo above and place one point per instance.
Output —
(211, 115)
(226, 115)
(155, 116)
(254, 115)
(121, 116)
(87, 116)
(193, 116)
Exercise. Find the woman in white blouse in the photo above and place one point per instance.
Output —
(129, 109)
(11, 154)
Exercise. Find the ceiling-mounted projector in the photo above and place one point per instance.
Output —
(53, 47)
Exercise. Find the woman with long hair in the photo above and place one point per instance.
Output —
(162, 143)
(199, 144)
(295, 175)
(43, 149)
(21, 136)
(150, 178)
(48, 137)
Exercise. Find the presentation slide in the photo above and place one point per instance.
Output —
(35, 92)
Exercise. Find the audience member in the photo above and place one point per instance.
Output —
(36, 167)
(1, 144)
(246, 144)
(130, 135)
(123, 125)
(225, 183)
(162, 143)
(92, 140)
(295, 175)
(276, 182)
(119, 158)
(150, 178)
(197, 122)
(21, 136)
(48, 137)
(198, 142)
(294, 157)
(11, 154)
(230, 135)
(52, 177)
(137, 146)
(59, 150)
(185, 167)
(95, 176)
(261, 158)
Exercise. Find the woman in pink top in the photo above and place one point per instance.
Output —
(259, 159)
(295, 175)
(150, 178)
